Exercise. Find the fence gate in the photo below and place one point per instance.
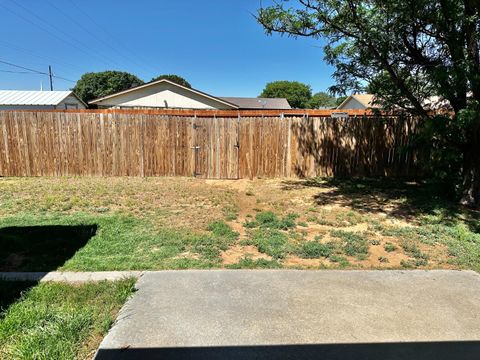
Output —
(216, 148)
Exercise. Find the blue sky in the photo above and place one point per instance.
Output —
(215, 44)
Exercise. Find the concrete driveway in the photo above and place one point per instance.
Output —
(285, 314)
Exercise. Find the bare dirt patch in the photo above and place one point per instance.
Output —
(238, 252)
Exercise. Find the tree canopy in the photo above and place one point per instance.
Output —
(407, 51)
(297, 93)
(322, 100)
(98, 84)
(173, 78)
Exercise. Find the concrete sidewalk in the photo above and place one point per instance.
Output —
(299, 315)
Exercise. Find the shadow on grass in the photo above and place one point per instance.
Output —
(405, 200)
(39, 249)
(11, 291)
(385, 351)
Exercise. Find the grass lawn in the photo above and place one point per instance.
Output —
(178, 223)
(58, 321)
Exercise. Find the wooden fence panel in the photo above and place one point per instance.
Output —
(142, 144)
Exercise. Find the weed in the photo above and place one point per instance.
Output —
(249, 193)
(353, 244)
(221, 229)
(315, 249)
(249, 263)
(389, 247)
(375, 242)
(269, 220)
(383, 259)
(341, 260)
(302, 224)
(270, 241)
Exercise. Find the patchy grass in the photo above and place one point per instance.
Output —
(270, 241)
(249, 263)
(353, 244)
(315, 249)
(178, 223)
(269, 220)
(60, 321)
(389, 247)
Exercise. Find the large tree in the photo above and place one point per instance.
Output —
(97, 84)
(417, 48)
(174, 78)
(322, 100)
(297, 93)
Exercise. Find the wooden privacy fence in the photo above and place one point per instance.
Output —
(140, 144)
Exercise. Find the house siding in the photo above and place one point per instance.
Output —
(163, 95)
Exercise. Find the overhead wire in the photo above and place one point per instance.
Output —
(96, 37)
(88, 51)
(34, 71)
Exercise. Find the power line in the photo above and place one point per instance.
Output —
(99, 26)
(96, 37)
(22, 67)
(53, 60)
(16, 72)
(35, 71)
(87, 52)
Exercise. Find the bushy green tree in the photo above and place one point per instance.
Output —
(297, 93)
(322, 100)
(418, 48)
(174, 78)
(97, 84)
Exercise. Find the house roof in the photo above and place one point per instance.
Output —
(259, 103)
(364, 99)
(152, 83)
(27, 97)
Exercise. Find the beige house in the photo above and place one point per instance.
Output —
(167, 94)
(358, 102)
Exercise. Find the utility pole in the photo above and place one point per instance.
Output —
(50, 76)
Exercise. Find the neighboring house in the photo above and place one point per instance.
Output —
(167, 94)
(259, 103)
(39, 100)
(358, 102)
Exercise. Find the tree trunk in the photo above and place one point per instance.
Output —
(471, 168)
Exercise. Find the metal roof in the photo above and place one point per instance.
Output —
(259, 103)
(21, 97)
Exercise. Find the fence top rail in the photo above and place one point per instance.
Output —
(213, 113)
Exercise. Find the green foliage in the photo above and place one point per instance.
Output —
(406, 52)
(297, 93)
(353, 244)
(322, 100)
(221, 229)
(269, 220)
(249, 263)
(315, 249)
(173, 78)
(96, 85)
(389, 247)
(270, 241)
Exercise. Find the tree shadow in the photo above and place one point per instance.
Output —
(402, 199)
(365, 146)
(37, 249)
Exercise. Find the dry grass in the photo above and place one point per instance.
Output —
(368, 218)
